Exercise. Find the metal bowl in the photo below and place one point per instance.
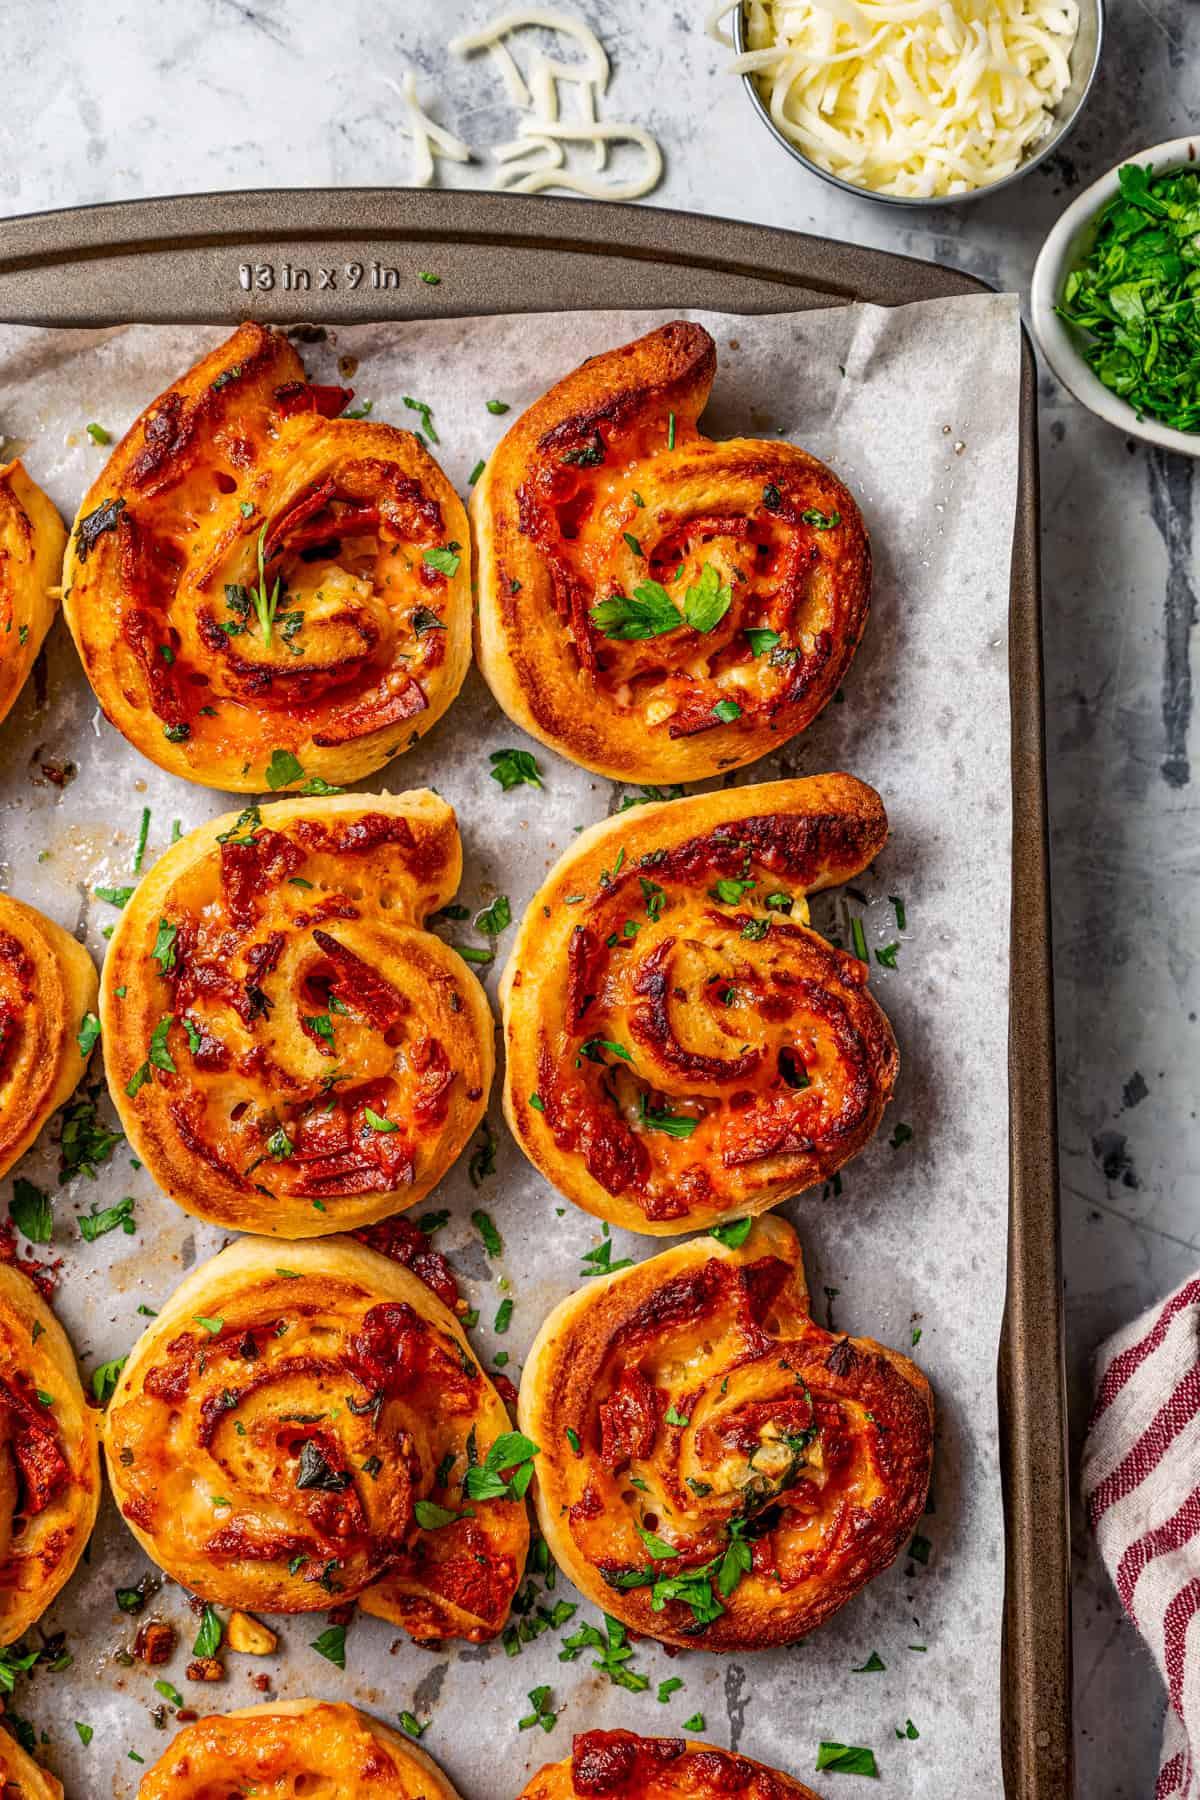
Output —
(1085, 60)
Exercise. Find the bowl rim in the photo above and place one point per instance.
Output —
(1056, 341)
(922, 201)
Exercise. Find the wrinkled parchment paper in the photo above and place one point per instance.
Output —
(917, 410)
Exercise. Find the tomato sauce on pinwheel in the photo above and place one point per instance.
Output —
(717, 1471)
(618, 1765)
(32, 539)
(263, 593)
(294, 1748)
(653, 604)
(48, 1024)
(301, 1424)
(682, 1046)
(289, 1049)
(49, 1457)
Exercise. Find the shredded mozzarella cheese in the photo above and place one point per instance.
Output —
(909, 97)
(429, 140)
(536, 158)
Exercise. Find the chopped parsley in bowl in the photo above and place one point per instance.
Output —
(1136, 295)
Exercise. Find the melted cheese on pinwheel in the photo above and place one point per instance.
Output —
(682, 1046)
(717, 1471)
(262, 593)
(32, 540)
(652, 604)
(299, 1424)
(617, 1765)
(49, 1457)
(289, 1049)
(47, 989)
(292, 1749)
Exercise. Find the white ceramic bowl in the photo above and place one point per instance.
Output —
(1065, 248)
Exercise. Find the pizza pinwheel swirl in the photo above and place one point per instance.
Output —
(682, 1047)
(289, 1049)
(47, 990)
(653, 604)
(293, 1748)
(32, 540)
(261, 592)
(21, 1778)
(618, 1765)
(299, 1423)
(716, 1470)
(49, 1457)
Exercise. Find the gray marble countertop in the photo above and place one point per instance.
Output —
(118, 100)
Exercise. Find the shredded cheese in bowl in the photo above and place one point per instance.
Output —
(916, 98)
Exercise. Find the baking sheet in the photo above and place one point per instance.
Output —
(917, 409)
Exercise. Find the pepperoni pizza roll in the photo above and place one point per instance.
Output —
(716, 1471)
(304, 1420)
(20, 1777)
(49, 1457)
(652, 604)
(682, 1046)
(618, 1765)
(32, 540)
(262, 592)
(289, 1049)
(290, 1748)
(47, 991)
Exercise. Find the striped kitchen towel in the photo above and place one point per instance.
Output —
(1141, 1483)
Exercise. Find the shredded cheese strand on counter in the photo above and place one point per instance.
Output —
(909, 97)
(536, 158)
(429, 140)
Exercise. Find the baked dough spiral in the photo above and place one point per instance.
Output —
(289, 1049)
(48, 985)
(682, 1047)
(49, 1457)
(619, 1765)
(32, 540)
(20, 1777)
(297, 1424)
(294, 1748)
(652, 604)
(251, 581)
(716, 1470)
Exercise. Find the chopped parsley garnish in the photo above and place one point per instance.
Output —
(676, 1125)
(476, 472)
(898, 908)
(85, 1733)
(494, 918)
(513, 1451)
(858, 939)
(503, 1319)
(901, 1135)
(614, 1656)
(847, 1759)
(821, 521)
(673, 1417)
(168, 1692)
(483, 1157)
(695, 1723)
(498, 407)
(601, 1261)
(492, 1241)
(873, 1665)
(444, 559)
(705, 605)
(98, 434)
(212, 1325)
(734, 1234)
(116, 896)
(886, 958)
(265, 604)
(210, 1634)
(910, 1730)
(164, 945)
(430, 280)
(761, 639)
(332, 1645)
(431, 1517)
(514, 768)
(425, 619)
(426, 412)
(105, 1378)
(539, 1699)
(920, 1549)
(31, 1211)
(727, 711)
(131, 1600)
(408, 1722)
(143, 833)
(95, 1224)
(283, 769)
